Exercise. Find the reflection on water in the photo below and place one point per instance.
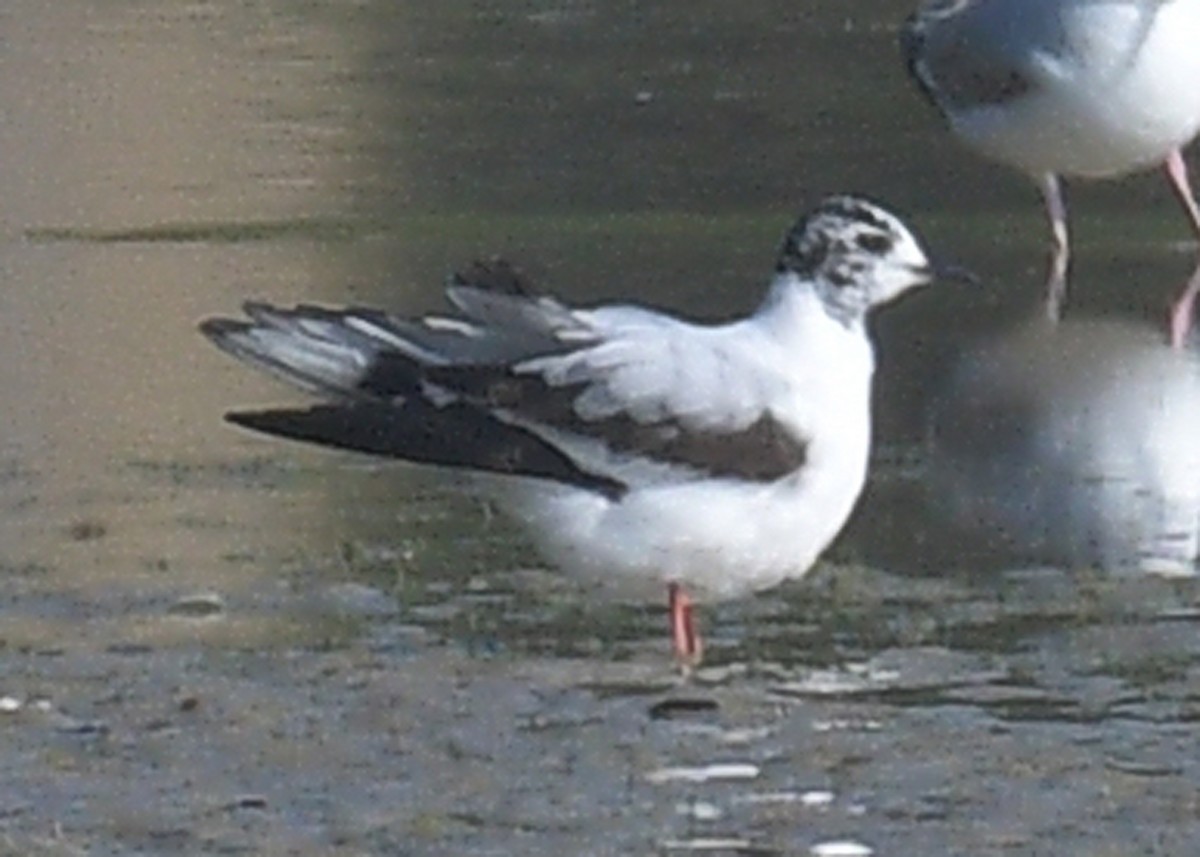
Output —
(1074, 444)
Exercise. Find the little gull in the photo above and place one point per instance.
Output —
(1068, 87)
(643, 451)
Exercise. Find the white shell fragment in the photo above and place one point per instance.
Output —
(843, 848)
(704, 773)
(201, 605)
(816, 798)
(705, 843)
(700, 810)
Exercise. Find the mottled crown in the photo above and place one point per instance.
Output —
(855, 253)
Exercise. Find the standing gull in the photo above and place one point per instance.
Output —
(645, 452)
(1089, 88)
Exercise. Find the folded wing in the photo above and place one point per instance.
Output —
(517, 383)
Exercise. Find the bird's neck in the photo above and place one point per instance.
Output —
(795, 301)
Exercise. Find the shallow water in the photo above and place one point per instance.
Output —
(244, 646)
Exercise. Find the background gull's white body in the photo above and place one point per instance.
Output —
(1090, 88)
(1114, 85)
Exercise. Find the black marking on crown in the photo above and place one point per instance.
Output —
(801, 253)
(806, 250)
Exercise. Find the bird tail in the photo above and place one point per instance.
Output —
(381, 376)
(359, 353)
(322, 351)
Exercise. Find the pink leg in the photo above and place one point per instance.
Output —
(1177, 175)
(1060, 258)
(1183, 308)
(688, 647)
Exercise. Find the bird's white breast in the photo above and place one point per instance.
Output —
(724, 538)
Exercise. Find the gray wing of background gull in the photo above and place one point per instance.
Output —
(974, 53)
(606, 400)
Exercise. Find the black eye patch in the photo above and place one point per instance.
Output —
(874, 243)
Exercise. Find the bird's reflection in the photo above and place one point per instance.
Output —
(1073, 444)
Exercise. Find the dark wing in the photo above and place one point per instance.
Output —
(453, 436)
(752, 446)
(520, 384)
(964, 55)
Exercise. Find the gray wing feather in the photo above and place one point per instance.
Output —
(608, 387)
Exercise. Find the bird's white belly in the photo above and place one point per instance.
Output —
(719, 539)
(1106, 112)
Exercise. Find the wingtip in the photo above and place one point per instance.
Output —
(237, 418)
(219, 329)
(276, 422)
(257, 421)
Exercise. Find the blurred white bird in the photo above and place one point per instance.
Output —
(1088, 88)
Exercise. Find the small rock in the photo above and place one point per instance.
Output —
(249, 801)
(199, 606)
(74, 726)
(10, 705)
(720, 675)
(700, 810)
(1144, 768)
(358, 599)
(682, 707)
(87, 531)
(744, 735)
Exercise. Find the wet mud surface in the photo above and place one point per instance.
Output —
(342, 705)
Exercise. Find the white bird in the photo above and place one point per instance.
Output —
(1087, 88)
(643, 451)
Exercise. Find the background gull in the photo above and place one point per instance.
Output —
(1068, 88)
